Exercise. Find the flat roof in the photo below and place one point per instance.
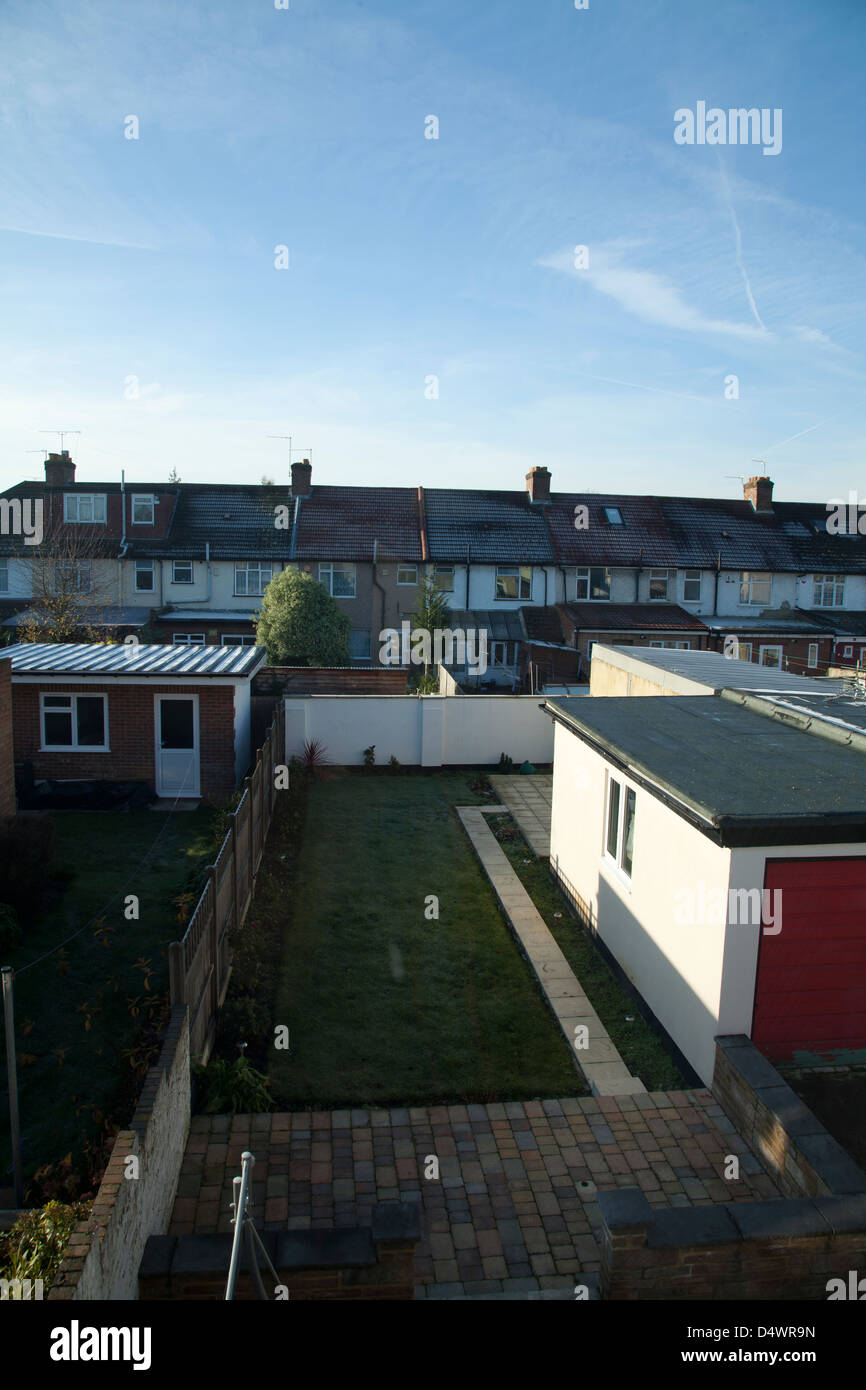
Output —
(739, 776)
(696, 672)
(143, 660)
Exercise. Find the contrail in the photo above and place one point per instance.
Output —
(739, 244)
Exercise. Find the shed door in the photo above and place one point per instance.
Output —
(810, 993)
(177, 761)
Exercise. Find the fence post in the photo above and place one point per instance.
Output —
(251, 877)
(213, 948)
(233, 853)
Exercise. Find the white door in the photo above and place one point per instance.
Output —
(177, 755)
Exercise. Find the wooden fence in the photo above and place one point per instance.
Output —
(199, 965)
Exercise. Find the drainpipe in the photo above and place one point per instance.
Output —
(377, 585)
(716, 574)
(192, 602)
(637, 574)
(468, 562)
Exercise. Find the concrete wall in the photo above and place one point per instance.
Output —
(677, 965)
(430, 731)
(105, 1251)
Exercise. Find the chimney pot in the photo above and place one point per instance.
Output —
(60, 470)
(301, 476)
(759, 491)
(538, 484)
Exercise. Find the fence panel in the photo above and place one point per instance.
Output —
(200, 964)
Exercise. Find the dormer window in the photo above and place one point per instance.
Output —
(84, 507)
(614, 516)
(142, 509)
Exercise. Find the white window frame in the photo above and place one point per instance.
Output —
(661, 575)
(584, 575)
(744, 647)
(73, 696)
(4, 574)
(771, 647)
(238, 639)
(522, 574)
(246, 569)
(83, 574)
(188, 639)
(693, 577)
(848, 651)
(407, 569)
(187, 564)
(750, 580)
(329, 568)
(145, 567)
(615, 860)
(97, 501)
(680, 646)
(147, 499)
(813, 654)
(821, 583)
(448, 572)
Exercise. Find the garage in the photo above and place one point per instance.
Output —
(810, 993)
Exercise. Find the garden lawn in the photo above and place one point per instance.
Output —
(385, 1005)
(78, 1010)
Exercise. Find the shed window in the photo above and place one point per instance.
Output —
(74, 721)
(619, 837)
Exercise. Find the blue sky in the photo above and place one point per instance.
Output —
(153, 259)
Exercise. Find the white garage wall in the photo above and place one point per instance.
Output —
(677, 966)
(430, 731)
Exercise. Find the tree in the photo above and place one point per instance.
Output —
(174, 476)
(432, 611)
(301, 624)
(72, 581)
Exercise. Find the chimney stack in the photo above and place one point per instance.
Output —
(759, 491)
(538, 484)
(60, 470)
(301, 475)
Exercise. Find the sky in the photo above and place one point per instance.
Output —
(434, 323)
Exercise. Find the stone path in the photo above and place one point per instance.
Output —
(528, 799)
(596, 1055)
(514, 1210)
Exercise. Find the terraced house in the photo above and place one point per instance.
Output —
(545, 574)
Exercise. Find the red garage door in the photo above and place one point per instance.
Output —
(810, 993)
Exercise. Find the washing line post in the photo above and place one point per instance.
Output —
(8, 975)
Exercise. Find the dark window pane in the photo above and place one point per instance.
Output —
(58, 728)
(612, 818)
(176, 724)
(91, 721)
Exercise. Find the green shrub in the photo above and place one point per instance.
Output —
(233, 1088)
(370, 756)
(27, 847)
(33, 1248)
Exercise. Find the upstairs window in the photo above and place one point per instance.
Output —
(73, 576)
(660, 581)
(593, 583)
(407, 574)
(142, 510)
(84, 507)
(829, 590)
(252, 579)
(181, 572)
(444, 576)
(144, 576)
(755, 587)
(339, 580)
(692, 586)
(513, 581)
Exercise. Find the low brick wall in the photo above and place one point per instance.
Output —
(104, 1252)
(783, 1249)
(376, 1262)
(787, 1248)
(791, 1142)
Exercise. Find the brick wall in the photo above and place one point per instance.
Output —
(131, 735)
(331, 680)
(787, 1248)
(7, 779)
(105, 1251)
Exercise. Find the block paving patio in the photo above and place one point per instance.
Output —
(514, 1209)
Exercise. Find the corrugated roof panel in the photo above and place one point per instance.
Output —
(145, 660)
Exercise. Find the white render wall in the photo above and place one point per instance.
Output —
(677, 968)
(427, 731)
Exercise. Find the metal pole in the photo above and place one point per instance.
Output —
(240, 1205)
(8, 975)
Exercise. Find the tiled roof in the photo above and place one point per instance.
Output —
(838, 620)
(633, 617)
(344, 523)
(500, 527)
(237, 522)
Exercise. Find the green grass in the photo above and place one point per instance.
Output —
(69, 1075)
(639, 1044)
(383, 1005)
